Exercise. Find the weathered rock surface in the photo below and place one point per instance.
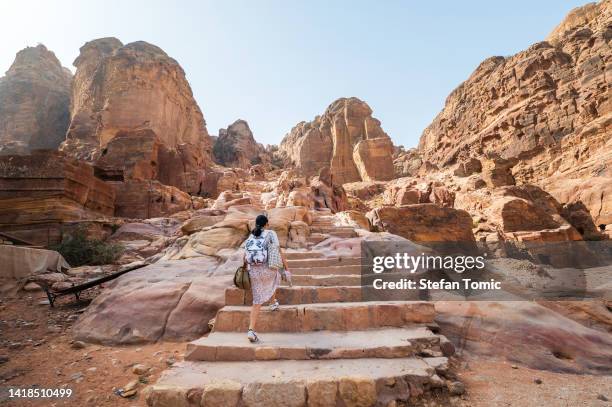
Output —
(424, 223)
(525, 332)
(34, 102)
(170, 300)
(546, 111)
(42, 192)
(134, 116)
(236, 147)
(347, 139)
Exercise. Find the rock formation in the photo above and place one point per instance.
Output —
(546, 111)
(236, 147)
(34, 102)
(134, 116)
(42, 194)
(347, 139)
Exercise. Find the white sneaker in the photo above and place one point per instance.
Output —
(274, 306)
(252, 336)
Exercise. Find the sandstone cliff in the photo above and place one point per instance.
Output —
(546, 112)
(236, 147)
(119, 92)
(347, 139)
(34, 102)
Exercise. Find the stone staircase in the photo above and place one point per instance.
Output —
(323, 347)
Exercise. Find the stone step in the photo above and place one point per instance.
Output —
(316, 238)
(347, 316)
(303, 255)
(326, 270)
(298, 295)
(290, 383)
(326, 280)
(382, 343)
(323, 262)
(332, 229)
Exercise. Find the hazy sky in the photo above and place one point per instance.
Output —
(276, 63)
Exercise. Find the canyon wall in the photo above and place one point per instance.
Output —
(545, 111)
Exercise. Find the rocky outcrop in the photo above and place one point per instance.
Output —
(134, 116)
(347, 139)
(546, 111)
(44, 193)
(424, 223)
(34, 102)
(236, 147)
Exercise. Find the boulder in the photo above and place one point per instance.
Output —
(424, 223)
(34, 102)
(467, 167)
(352, 218)
(169, 300)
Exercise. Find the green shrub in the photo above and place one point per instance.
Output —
(78, 250)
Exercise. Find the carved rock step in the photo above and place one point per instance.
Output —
(320, 262)
(303, 255)
(291, 383)
(347, 316)
(323, 270)
(298, 295)
(316, 238)
(382, 343)
(326, 280)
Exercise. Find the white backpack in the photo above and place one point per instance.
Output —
(256, 248)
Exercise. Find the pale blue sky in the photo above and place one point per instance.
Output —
(275, 63)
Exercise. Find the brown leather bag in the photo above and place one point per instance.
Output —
(242, 279)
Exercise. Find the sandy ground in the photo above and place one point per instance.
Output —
(36, 339)
(46, 358)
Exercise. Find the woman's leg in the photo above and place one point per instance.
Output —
(254, 314)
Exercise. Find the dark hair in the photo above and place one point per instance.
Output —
(260, 222)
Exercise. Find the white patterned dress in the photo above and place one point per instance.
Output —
(264, 280)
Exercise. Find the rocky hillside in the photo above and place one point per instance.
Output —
(347, 139)
(135, 99)
(34, 102)
(546, 112)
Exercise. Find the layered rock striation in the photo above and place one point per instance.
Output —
(546, 111)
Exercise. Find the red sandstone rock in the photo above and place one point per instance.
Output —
(545, 110)
(34, 102)
(347, 139)
(236, 147)
(424, 223)
(133, 102)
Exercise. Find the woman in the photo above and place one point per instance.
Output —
(264, 280)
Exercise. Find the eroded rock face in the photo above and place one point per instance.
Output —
(424, 223)
(347, 139)
(545, 110)
(34, 102)
(236, 147)
(42, 192)
(132, 102)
